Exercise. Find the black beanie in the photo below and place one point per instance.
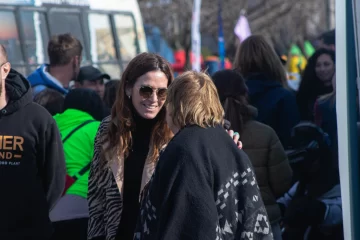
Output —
(85, 100)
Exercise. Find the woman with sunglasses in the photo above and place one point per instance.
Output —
(127, 147)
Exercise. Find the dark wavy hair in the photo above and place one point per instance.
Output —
(119, 131)
(233, 94)
(311, 87)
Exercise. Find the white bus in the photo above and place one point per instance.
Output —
(111, 31)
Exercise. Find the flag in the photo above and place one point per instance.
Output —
(196, 36)
(242, 28)
(309, 49)
(221, 41)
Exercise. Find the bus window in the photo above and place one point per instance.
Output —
(9, 37)
(62, 22)
(36, 37)
(101, 38)
(125, 30)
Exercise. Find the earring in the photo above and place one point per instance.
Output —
(129, 96)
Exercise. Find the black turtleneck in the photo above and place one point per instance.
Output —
(133, 169)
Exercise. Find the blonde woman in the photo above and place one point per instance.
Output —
(203, 187)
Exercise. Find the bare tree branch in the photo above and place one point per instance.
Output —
(283, 22)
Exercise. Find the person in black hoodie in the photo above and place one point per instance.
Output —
(32, 165)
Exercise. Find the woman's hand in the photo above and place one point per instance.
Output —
(236, 137)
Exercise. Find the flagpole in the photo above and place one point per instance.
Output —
(196, 36)
(221, 41)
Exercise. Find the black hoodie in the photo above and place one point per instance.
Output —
(32, 165)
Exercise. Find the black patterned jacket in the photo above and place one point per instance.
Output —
(203, 187)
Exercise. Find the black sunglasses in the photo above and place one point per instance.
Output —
(147, 91)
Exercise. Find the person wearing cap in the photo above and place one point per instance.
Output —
(92, 78)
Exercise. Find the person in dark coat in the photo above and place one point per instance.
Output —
(203, 186)
(265, 77)
(260, 143)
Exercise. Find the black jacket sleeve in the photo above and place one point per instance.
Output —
(54, 169)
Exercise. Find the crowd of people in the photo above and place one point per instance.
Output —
(235, 155)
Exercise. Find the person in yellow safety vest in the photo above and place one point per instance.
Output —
(296, 65)
(297, 61)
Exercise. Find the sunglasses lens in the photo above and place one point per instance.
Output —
(145, 92)
(162, 93)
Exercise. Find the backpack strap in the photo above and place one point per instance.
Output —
(82, 171)
(77, 128)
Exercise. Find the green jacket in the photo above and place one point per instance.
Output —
(79, 148)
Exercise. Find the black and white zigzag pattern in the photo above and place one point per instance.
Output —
(232, 212)
(230, 220)
(104, 198)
